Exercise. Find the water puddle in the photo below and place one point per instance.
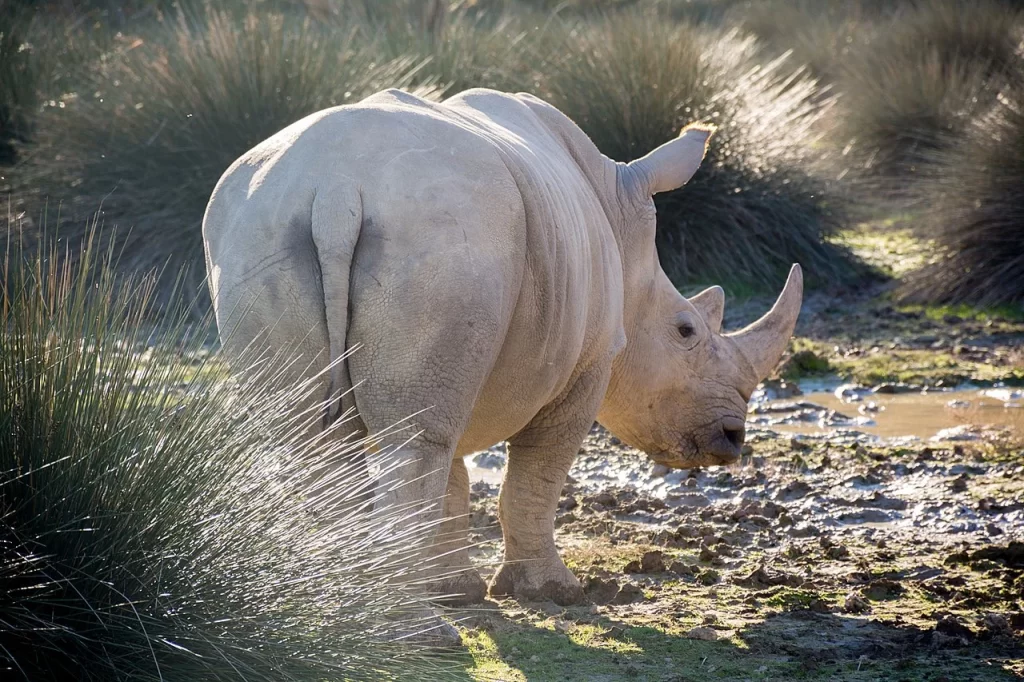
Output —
(941, 415)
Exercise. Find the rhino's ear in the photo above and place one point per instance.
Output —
(710, 303)
(671, 165)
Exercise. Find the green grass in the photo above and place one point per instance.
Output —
(940, 312)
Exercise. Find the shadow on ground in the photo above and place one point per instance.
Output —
(541, 642)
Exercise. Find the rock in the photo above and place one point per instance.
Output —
(794, 490)
(659, 471)
(820, 606)
(881, 501)
(628, 594)
(871, 408)
(479, 490)
(964, 432)
(788, 407)
(1012, 555)
(761, 578)
(709, 576)
(851, 393)
(856, 603)
(703, 633)
(996, 625)
(650, 562)
(489, 459)
(653, 562)
(804, 530)
(707, 554)
(1004, 395)
(865, 516)
(776, 389)
(793, 551)
(689, 500)
(833, 550)
(952, 627)
(959, 484)
(601, 591)
(890, 389)
(878, 590)
(679, 568)
(863, 480)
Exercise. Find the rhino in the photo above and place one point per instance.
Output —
(479, 264)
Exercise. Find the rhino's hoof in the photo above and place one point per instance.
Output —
(534, 582)
(465, 587)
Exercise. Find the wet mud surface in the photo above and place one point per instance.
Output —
(811, 560)
(874, 529)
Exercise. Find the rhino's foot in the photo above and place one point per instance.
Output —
(465, 587)
(537, 581)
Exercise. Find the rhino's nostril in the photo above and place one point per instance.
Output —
(734, 436)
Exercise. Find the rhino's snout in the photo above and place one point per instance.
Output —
(727, 445)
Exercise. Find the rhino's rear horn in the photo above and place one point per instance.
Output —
(764, 341)
(710, 303)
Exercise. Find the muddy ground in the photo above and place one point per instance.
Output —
(830, 553)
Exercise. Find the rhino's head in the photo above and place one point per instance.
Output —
(679, 389)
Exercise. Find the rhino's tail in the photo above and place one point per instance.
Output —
(336, 222)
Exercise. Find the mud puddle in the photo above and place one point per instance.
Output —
(894, 412)
(842, 414)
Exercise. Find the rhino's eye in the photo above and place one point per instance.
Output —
(686, 330)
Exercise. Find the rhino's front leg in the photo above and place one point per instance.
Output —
(459, 581)
(538, 462)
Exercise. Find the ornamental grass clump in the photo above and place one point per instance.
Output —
(151, 526)
(972, 201)
(918, 82)
(760, 201)
(150, 128)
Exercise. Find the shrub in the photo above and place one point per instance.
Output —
(923, 76)
(820, 35)
(157, 121)
(151, 529)
(973, 210)
(37, 58)
(469, 49)
(17, 82)
(758, 203)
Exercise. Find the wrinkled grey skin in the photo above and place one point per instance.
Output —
(498, 279)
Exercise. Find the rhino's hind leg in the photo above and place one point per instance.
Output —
(410, 484)
(538, 462)
(459, 583)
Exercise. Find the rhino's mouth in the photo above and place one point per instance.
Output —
(721, 445)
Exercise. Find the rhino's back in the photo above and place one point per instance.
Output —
(470, 214)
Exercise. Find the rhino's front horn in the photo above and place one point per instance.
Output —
(764, 341)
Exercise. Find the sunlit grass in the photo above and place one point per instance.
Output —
(155, 525)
